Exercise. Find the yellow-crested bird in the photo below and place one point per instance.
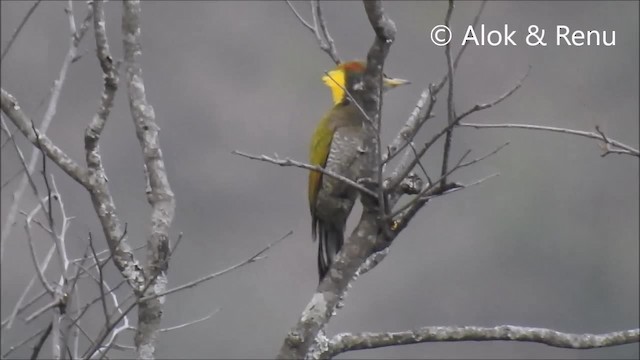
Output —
(337, 145)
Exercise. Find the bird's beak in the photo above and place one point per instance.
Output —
(391, 83)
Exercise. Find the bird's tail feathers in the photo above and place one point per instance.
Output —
(330, 240)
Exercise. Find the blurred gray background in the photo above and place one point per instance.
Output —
(551, 242)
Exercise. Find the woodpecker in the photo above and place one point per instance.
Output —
(337, 145)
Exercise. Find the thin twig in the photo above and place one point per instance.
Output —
(86, 307)
(190, 322)
(103, 299)
(84, 333)
(11, 108)
(322, 34)
(19, 308)
(413, 124)
(451, 110)
(290, 162)
(623, 148)
(19, 28)
(41, 269)
(43, 338)
(445, 78)
(471, 162)
(405, 169)
(34, 258)
(20, 344)
(73, 288)
(12, 177)
(497, 101)
(320, 26)
(302, 20)
(416, 201)
(474, 25)
(424, 171)
(430, 190)
(106, 331)
(353, 101)
(255, 257)
(50, 305)
(477, 182)
(58, 240)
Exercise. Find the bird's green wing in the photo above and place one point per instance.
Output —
(318, 153)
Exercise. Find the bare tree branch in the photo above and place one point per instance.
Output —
(424, 171)
(418, 118)
(35, 314)
(618, 147)
(103, 203)
(34, 258)
(97, 346)
(407, 164)
(59, 239)
(412, 125)
(111, 327)
(86, 307)
(159, 193)
(40, 269)
(19, 308)
(103, 350)
(12, 110)
(420, 199)
(327, 45)
(58, 294)
(93, 180)
(348, 342)
(74, 326)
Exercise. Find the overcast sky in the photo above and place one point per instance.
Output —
(551, 242)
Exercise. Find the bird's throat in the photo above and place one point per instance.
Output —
(336, 81)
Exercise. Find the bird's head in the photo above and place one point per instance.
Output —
(348, 75)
